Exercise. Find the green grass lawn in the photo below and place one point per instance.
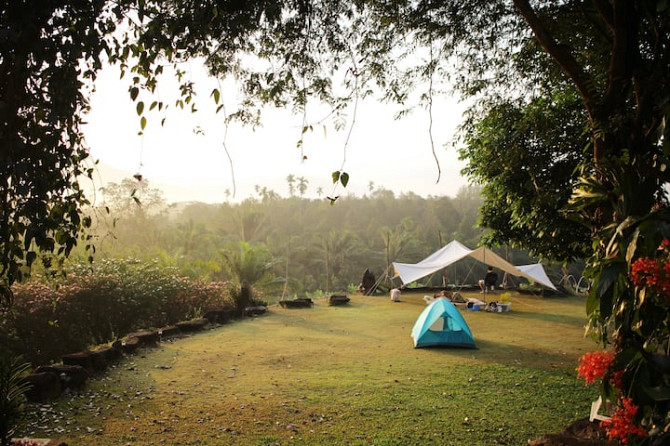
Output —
(341, 375)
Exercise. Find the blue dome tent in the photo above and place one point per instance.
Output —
(441, 324)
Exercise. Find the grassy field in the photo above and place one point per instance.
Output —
(345, 375)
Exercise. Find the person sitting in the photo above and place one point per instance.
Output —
(489, 281)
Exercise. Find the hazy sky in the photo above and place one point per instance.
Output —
(186, 160)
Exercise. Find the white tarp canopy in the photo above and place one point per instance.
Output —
(455, 251)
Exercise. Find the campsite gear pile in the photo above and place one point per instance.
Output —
(498, 307)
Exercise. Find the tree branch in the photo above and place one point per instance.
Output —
(561, 54)
(604, 8)
(624, 54)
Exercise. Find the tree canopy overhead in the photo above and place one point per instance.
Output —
(571, 98)
(556, 87)
(49, 51)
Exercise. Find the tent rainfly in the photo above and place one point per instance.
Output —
(455, 251)
(441, 324)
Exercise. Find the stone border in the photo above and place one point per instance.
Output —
(50, 381)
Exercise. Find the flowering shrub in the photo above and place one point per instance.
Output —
(621, 425)
(599, 365)
(628, 214)
(653, 274)
(629, 310)
(592, 366)
(95, 306)
(31, 327)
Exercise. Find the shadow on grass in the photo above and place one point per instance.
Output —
(505, 354)
(554, 318)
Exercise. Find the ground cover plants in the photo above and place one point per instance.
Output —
(341, 375)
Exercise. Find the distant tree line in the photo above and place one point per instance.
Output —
(307, 244)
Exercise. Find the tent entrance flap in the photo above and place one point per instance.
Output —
(455, 251)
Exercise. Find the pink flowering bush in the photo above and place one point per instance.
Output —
(95, 306)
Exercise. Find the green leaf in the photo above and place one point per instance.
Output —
(632, 246)
(143, 122)
(608, 277)
(592, 303)
(344, 179)
(216, 94)
(134, 92)
(140, 108)
(336, 176)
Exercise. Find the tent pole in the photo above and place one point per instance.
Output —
(382, 277)
(388, 255)
(486, 288)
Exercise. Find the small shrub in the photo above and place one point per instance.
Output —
(12, 398)
(30, 327)
(318, 294)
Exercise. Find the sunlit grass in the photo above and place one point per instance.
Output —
(340, 375)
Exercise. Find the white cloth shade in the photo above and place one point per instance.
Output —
(455, 251)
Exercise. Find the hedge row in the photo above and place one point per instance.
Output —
(49, 319)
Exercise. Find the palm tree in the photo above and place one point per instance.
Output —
(302, 185)
(247, 265)
(335, 248)
(291, 187)
(251, 224)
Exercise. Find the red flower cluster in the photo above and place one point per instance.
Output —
(617, 379)
(592, 366)
(653, 274)
(621, 425)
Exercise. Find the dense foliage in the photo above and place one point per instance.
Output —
(307, 244)
(527, 157)
(50, 53)
(92, 307)
(628, 306)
